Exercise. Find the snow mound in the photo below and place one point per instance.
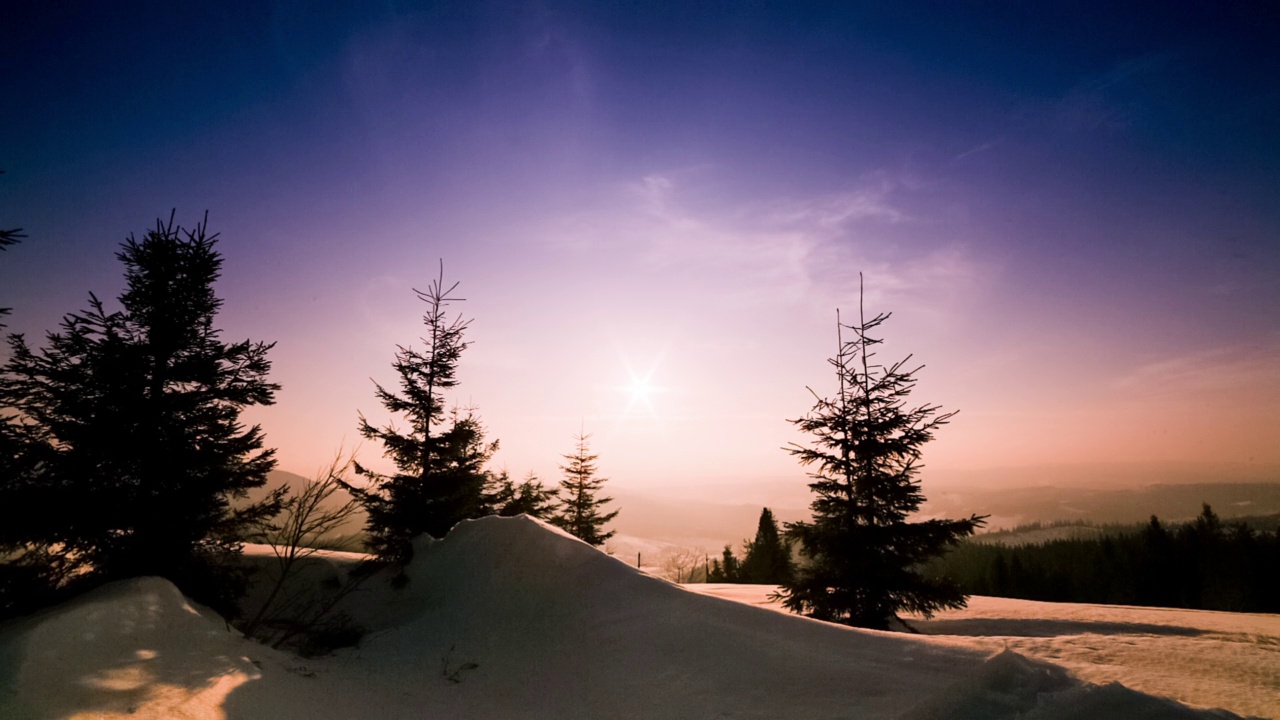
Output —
(136, 646)
(524, 559)
(516, 614)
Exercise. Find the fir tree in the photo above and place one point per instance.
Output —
(580, 510)
(530, 497)
(134, 414)
(768, 560)
(440, 456)
(725, 570)
(1160, 564)
(30, 569)
(20, 450)
(7, 238)
(862, 554)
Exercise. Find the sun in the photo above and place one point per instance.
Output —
(640, 390)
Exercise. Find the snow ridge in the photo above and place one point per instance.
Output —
(510, 618)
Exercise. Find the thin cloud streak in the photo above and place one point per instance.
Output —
(1216, 371)
(797, 251)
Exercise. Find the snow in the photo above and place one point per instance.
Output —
(509, 618)
(1202, 658)
(131, 645)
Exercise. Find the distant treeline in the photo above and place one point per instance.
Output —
(1204, 564)
(1022, 534)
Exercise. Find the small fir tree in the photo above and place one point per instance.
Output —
(768, 560)
(530, 497)
(134, 414)
(7, 238)
(580, 509)
(726, 569)
(862, 555)
(440, 456)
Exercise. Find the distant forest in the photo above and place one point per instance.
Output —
(1205, 564)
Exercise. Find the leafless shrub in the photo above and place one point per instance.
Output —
(297, 612)
(684, 565)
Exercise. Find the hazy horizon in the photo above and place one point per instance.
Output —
(654, 212)
(656, 518)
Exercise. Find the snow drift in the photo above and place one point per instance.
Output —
(559, 629)
(128, 646)
(509, 618)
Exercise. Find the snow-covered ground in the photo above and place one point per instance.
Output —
(1202, 658)
(508, 618)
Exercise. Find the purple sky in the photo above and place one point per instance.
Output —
(1073, 214)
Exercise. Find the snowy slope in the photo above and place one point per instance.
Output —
(130, 646)
(508, 618)
(1203, 658)
(1200, 657)
(1214, 659)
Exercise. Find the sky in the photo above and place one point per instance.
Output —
(654, 210)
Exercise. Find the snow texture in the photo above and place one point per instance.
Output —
(1202, 658)
(509, 618)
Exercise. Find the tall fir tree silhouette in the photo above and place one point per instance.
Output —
(768, 559)
(135, 418)
(580, 507)
(441, 455)
(8, 237)
(862, 553)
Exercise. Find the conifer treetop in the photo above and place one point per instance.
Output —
(580, 509)
(861, 550)
(440, 453)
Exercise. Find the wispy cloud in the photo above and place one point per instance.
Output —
(838, 211)
(984, 147)
(675, 235)
(1221, 370)
(1107, 102)
(797, 249)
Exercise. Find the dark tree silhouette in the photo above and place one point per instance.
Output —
(530, 497)
(768, 559)
(580, 509)
(440, 456)
(1202, 564)
(134, 450)
(725, 570)
(7, 238)
(863, 555)
(28, 573)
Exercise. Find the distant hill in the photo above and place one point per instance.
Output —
(712, 515)
(284, 478)
(692, 522)
(696, 518)
(1106, 476)
(1011, 506)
